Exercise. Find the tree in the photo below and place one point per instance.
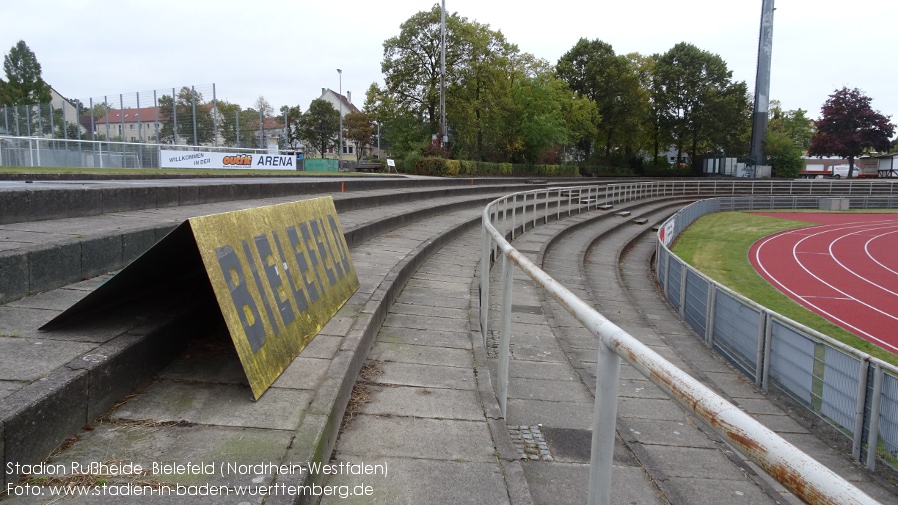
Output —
(320, 125)
(181, 111)
(265, 107)
(412, 61)
(849, 126)
(695, 100)
(293, 117)
(783, 154)
(228, 116)
(23, 85)
(793, 123)
(360, 129)
(592, 70)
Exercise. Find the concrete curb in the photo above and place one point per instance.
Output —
(515, 480)
(41, 204)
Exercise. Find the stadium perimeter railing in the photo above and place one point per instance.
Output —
(854, 392)
(801, 474)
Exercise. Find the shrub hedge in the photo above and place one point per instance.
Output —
(452, 168)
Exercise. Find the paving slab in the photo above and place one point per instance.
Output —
(410, 437)
(423, 402)
(217, 404)
(412, 481)
(421, 354)
(426, 376)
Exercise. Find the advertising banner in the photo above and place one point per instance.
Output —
(201, 159)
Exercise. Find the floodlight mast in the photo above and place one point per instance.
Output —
(444, 136)
(762, 85)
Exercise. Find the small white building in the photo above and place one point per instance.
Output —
(344, 104)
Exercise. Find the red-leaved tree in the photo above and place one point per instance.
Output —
(849, 126)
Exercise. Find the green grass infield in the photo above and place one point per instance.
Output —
(718, 245)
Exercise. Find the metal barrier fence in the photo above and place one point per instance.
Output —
(189, 115)
(852, 391)
(43, 152)
(802, 475)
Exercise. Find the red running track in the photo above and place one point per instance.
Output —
(844, 268)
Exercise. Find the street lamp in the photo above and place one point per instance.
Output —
(340, 149)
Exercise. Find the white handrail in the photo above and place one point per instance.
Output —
(798, 472)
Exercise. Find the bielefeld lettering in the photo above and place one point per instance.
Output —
(279, 274)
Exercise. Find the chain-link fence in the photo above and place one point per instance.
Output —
(185, 116)
(855, 393)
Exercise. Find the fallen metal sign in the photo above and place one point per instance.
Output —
(278, 273)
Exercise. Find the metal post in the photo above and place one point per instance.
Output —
(514, 206)
(156, 117)
(558, 206)
(712, 302)
(121, 115)
(340, 99)
(174, 114)
(93, 127)
(193, 107)
(237, 125)
(534, 210)
(682, 294)
(139, 123)
(768, 348)
(604, 419)
(487, 243)
(861, 397)
(873, 430)
(215, 118)
(505, 337)
(261, 131)
(444, 134)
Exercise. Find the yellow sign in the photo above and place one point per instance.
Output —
(279, 273)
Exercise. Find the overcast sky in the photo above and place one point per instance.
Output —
(287, 50)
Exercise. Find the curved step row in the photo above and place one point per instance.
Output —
(210, 392)
(550, 399)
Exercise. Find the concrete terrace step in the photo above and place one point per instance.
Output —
(205, 399)
(74, 385)
(37, 256)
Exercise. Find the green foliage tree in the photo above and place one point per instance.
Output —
(228, 117)
(592, 69)
(320, 125)
(793, 123)
(848, 126)
(181, 110)
(293, 116)
(412, 61)
(359, 128)
(401, 132)
(783, 154)
(694, 98)
(24, 84)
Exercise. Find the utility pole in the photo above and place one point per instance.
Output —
(762, 85)
(340, 148)
(444, 135)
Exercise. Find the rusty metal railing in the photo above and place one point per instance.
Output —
(805, 477)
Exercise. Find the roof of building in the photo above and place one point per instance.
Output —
(349, 107)
(143, 115)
